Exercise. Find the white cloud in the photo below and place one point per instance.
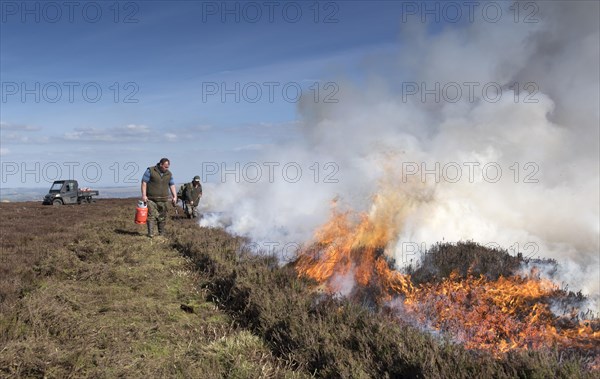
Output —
(251, 147)
(171, 137)
(4, 126)
(126, 133)
(201, 128)
(20, 134)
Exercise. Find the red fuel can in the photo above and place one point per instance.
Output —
(141, 213)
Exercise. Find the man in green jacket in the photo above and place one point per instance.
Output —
(193, 193)
(156, 183)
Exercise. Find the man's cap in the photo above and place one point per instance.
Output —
(196, 178)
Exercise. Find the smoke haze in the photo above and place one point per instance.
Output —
(379, 137)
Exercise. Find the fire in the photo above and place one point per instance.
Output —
(506, 314)
(345, 247)
(510, 313)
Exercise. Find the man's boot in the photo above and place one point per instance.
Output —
(150, 228)
(161, 228)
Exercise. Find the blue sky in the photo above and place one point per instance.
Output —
(156, 63)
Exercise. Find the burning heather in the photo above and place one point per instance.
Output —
(497, 312)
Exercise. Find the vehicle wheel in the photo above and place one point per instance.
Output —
(57, 202)
(89, 200)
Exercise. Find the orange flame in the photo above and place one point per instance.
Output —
(343, 247)
(501, 315)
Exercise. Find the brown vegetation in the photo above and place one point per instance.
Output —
(332, 337)
(83, 293)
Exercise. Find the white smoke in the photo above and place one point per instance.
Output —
(545, 202)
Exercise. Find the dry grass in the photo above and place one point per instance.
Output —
(332, 337)
(85, 294)
(464, 258)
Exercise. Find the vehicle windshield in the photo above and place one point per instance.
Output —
(56, 187)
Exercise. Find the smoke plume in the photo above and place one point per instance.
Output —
(442, 157)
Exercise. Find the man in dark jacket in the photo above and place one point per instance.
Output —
(193, 193)
(156, 183)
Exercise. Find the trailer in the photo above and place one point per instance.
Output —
(68, 192)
